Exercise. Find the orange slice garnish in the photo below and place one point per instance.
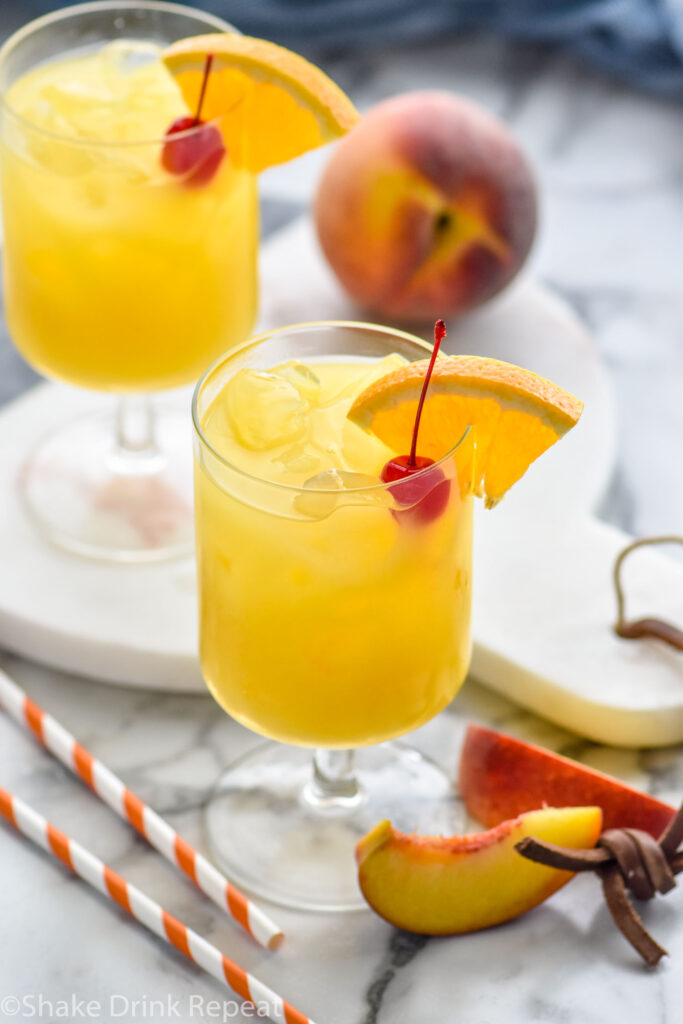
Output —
(513, 415)
(272, 104)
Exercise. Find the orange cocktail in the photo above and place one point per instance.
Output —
(367, 615)
(119, 275)
(336, 469)
(131, 144)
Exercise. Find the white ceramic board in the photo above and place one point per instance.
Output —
(543, 600)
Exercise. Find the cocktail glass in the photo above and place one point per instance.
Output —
(327, 621)
(118, 276)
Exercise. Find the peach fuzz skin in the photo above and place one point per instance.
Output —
(436, 885)
(427, 207)
(501, 777)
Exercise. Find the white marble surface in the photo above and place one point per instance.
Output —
(609, 162)
(564, 962)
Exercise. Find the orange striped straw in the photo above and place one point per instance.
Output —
(145, 910)
(131, 808)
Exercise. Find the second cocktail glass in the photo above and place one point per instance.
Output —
(119, 276)
(330, 617)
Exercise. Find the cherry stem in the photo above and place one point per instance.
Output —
(202, 92)
(439, 335)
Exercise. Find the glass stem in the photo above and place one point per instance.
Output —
(334, 776)
(135, 431)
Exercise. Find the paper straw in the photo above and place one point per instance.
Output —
(131, 808)
(145, 910)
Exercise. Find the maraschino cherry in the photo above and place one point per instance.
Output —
(198, 154)
(425, 496)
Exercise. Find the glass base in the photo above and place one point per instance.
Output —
(272, 832)
(89, 495)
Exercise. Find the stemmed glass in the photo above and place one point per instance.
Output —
(117, 277)
(327, 626)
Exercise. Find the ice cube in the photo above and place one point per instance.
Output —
(123, 56)
(352, 481)
(369, 375)
(362, 451)
(315, 504)
(121, 93)
(302, 378)
(300, 459)
(318, 505)
(62, 158)
(264, 410)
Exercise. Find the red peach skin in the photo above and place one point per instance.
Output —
(502, 777)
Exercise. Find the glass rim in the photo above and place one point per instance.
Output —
(63, 14)
(381, 486)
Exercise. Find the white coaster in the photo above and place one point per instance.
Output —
(543, 600)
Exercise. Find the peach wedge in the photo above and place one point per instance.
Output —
(501, 777)
(438, 885)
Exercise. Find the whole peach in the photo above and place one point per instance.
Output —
(427, 207)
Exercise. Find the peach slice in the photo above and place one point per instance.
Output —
(501, 777)
(438, 885)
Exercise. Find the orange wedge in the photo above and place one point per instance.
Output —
(513, 414)
(272, 104)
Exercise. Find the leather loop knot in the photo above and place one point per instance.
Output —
(627, 861)
(641, 861)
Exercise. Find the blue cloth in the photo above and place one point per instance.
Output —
(639, 40)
